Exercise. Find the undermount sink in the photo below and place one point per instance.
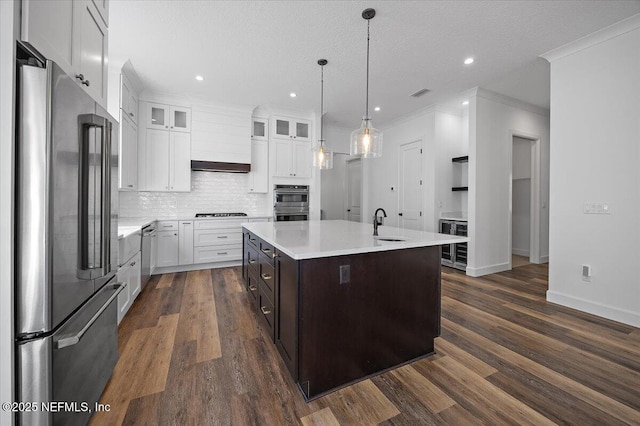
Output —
(382, 238)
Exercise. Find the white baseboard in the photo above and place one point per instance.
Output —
(196, 267)
(599, 309)
(486, 270)
(544, 259)
(520, 252)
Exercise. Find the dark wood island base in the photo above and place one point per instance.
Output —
(336, 320)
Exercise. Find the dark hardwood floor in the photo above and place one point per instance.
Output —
(192, 353)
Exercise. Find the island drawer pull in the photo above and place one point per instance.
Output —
(266, 250)
(252, 261)
(252, 239)
(273, 256)
(265, 310)
(253, 288)
(266, 276)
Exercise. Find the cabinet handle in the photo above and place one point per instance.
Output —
(168, 226)
(253, 288)
(399, 214)
(166, 127)
(176, 234)
(86, 83)
(131, 114)
(186, 223)
(221, 253)
(265, 310)
(223, 236)
(130, 186)
(252, 261)
(265, 276)
(273, 256)
(266, 250)
(80, 77)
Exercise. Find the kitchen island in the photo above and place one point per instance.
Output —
(341, 304)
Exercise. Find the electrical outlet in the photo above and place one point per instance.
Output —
(345, 274)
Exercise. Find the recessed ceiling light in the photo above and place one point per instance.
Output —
(376, 109)
(199, 78)
(468, 61)
(465, 103)
(292, 94)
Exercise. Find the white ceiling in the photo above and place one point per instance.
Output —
(257, 52)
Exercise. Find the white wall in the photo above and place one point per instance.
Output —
(595, 158)
(334, 181)
(521, 200)
(493, 121)
(9, 26)
(210, 192)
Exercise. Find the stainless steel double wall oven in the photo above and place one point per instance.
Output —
(290, 202)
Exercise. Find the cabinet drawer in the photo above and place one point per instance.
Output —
(218, 224)
(217, 253)
(254, 241)
(168, 225)
(252, 259)
(268, 251)
(267, 277)
(217, 237)
(266, 313)
(252, 287)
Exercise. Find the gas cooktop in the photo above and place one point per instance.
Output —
(219, 214)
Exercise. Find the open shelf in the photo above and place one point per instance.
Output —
(460, 188)
(463, 159)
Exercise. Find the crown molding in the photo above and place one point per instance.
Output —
(506, 100)
(626, 25)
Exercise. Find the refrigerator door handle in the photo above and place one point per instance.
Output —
(73, 339)
(94, 241)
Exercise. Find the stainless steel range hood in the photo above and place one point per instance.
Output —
(218, 166)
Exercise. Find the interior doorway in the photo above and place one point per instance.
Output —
(354, 190)
(524, 181)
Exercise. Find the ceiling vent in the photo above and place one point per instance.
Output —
(420, 93)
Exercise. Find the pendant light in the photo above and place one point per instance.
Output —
(367, 141)
(322, 156)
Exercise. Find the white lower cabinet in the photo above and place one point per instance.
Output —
(168, 246)
(129, 276)
(153, 259)
(185, 243)
(259, 175)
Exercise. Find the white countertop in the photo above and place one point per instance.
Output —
(129, 225)
(325, 238)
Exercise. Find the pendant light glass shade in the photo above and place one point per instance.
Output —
(322, 156)
(367, 140)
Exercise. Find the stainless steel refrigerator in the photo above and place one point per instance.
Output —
(66, 246)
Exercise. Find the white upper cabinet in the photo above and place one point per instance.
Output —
(259, 175)
(168, 117)
(128, 157)
(165, 150)
(128, 99)
(75, 36)
(292, 159)
(103, 9)
(259, 129)
(291, 128)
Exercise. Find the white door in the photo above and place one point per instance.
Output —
(128, 154)
(410, 185)
(180, 162)
(259, 176)
(185, 243)
(93, 47)
(156, 160)
(135, 277)
(354, 190)
(180, 119)
(157, 116)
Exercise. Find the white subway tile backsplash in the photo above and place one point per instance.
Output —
(210, 192)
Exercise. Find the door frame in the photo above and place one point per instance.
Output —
(535, 200)
(421, 220)
(346, 193)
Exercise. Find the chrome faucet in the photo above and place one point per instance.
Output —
(377, 221)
